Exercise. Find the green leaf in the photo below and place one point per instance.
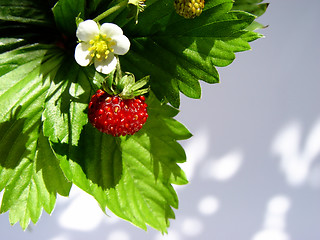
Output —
(99, 80)
(255, 7)
(186, 50)
(255, 26)
(29, 170)
(96, 7)
(66, 102)
(165, 149)
(27, 11)
(132, 176)
(65, 13)
(7, 44)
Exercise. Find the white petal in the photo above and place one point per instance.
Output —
(87, 30)
(82, 54)
(107, 65)
(111, 29)
(122, 44)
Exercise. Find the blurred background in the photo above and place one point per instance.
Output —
(254, 159)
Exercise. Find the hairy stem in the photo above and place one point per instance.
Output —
(113, 9)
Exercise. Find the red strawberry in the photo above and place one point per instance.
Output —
(116, 116)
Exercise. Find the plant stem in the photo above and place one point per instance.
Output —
(111, 10)
(118, 71)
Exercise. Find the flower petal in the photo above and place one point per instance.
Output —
(87, 30)
(122, 44)
(110, 29)
(106, 66)
(82, 54)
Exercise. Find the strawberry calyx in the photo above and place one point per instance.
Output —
(125, 86)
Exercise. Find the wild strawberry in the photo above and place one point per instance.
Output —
(119, 108)
(115, 115)
(189, 8)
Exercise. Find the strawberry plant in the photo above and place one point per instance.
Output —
(72, 111)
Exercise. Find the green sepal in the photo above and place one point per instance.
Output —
(133, 12)
(78, 20)
(131, 88)
(142, 82)
(125, 81)
(106, 82)
(124, 86)
(134, 8)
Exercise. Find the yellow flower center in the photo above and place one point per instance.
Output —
(101, 46)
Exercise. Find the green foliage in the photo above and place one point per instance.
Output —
(133, 175)
(67, 99)
(186, 50)
(36, 12)
(46, 142)
(255, 7)
(29, 169)
(66, 11)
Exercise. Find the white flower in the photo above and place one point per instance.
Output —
(100, 44)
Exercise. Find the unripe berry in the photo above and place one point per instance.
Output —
(189, 8)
